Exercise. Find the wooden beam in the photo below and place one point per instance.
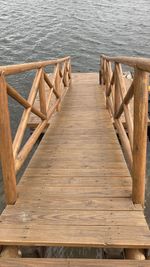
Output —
(29, 145)
(10, 252)
(127, 114)
(7, 160)
(140, 135)
(42, 95)
(47, 80)
(126, 100)
(22, 101)
(125, 143)
(33, 138)
(70, 72)
(117, 97)
(14, 69)
(65, 79)
(140, 63)
(111, 83)
(24, 119)
(134, 254)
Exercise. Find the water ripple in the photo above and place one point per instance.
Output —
(33, 30)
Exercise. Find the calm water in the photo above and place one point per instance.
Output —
(44, 29)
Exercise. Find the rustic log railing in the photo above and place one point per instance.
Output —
(12, 155)
(118, 100)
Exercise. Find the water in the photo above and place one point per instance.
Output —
(44, 29)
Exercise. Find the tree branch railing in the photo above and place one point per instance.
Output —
(118, 101)
(12, 154)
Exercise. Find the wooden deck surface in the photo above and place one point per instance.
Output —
(34, 120)
(71, 263)
(76, 190)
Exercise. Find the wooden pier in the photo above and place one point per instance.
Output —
(85, 184)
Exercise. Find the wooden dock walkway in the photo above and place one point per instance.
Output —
(77, 188)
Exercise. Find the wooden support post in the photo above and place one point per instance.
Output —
(134, 254)
(65, 75)
(7, 159)
(42, 94)
(104, 71)
(101, 72)
(70, 74)
(106, 81)
(10, 252)
(58, 87)
(140, 135)
(57, 81)
(107, 76)
(117, 99)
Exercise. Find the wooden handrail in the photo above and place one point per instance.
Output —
(140, 63)
(14, 69)
(118, 101)
(12, 154)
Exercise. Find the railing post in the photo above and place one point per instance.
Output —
(70, 74)
(66, 75)
(101, 71)
(117, 100)
(42, 94)
(58, 87)
(140, 135)
(7, 159)
(104, 71)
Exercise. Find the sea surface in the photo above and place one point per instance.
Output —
(43, 29)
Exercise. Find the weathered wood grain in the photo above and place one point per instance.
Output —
(77, 190)
(71, 263)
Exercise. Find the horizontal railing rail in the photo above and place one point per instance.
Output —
(129, 104)
(140, 63)
(12, 154)
(14, 69)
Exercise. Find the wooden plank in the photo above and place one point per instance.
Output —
(73, 236)
(91, 192)
(70, 181)
(71, 263)
(64, 203)
(30, 217)
(77, 172)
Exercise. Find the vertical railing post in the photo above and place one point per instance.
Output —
(57, 81)
(107, 76)
(104, 71)
(117, 99)
(42, 94)
(70, 73)
(7, 159)
(140, 135)
(101, 71)
(57, 86)
(66, 75)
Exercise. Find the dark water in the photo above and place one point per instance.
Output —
(44, 29)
